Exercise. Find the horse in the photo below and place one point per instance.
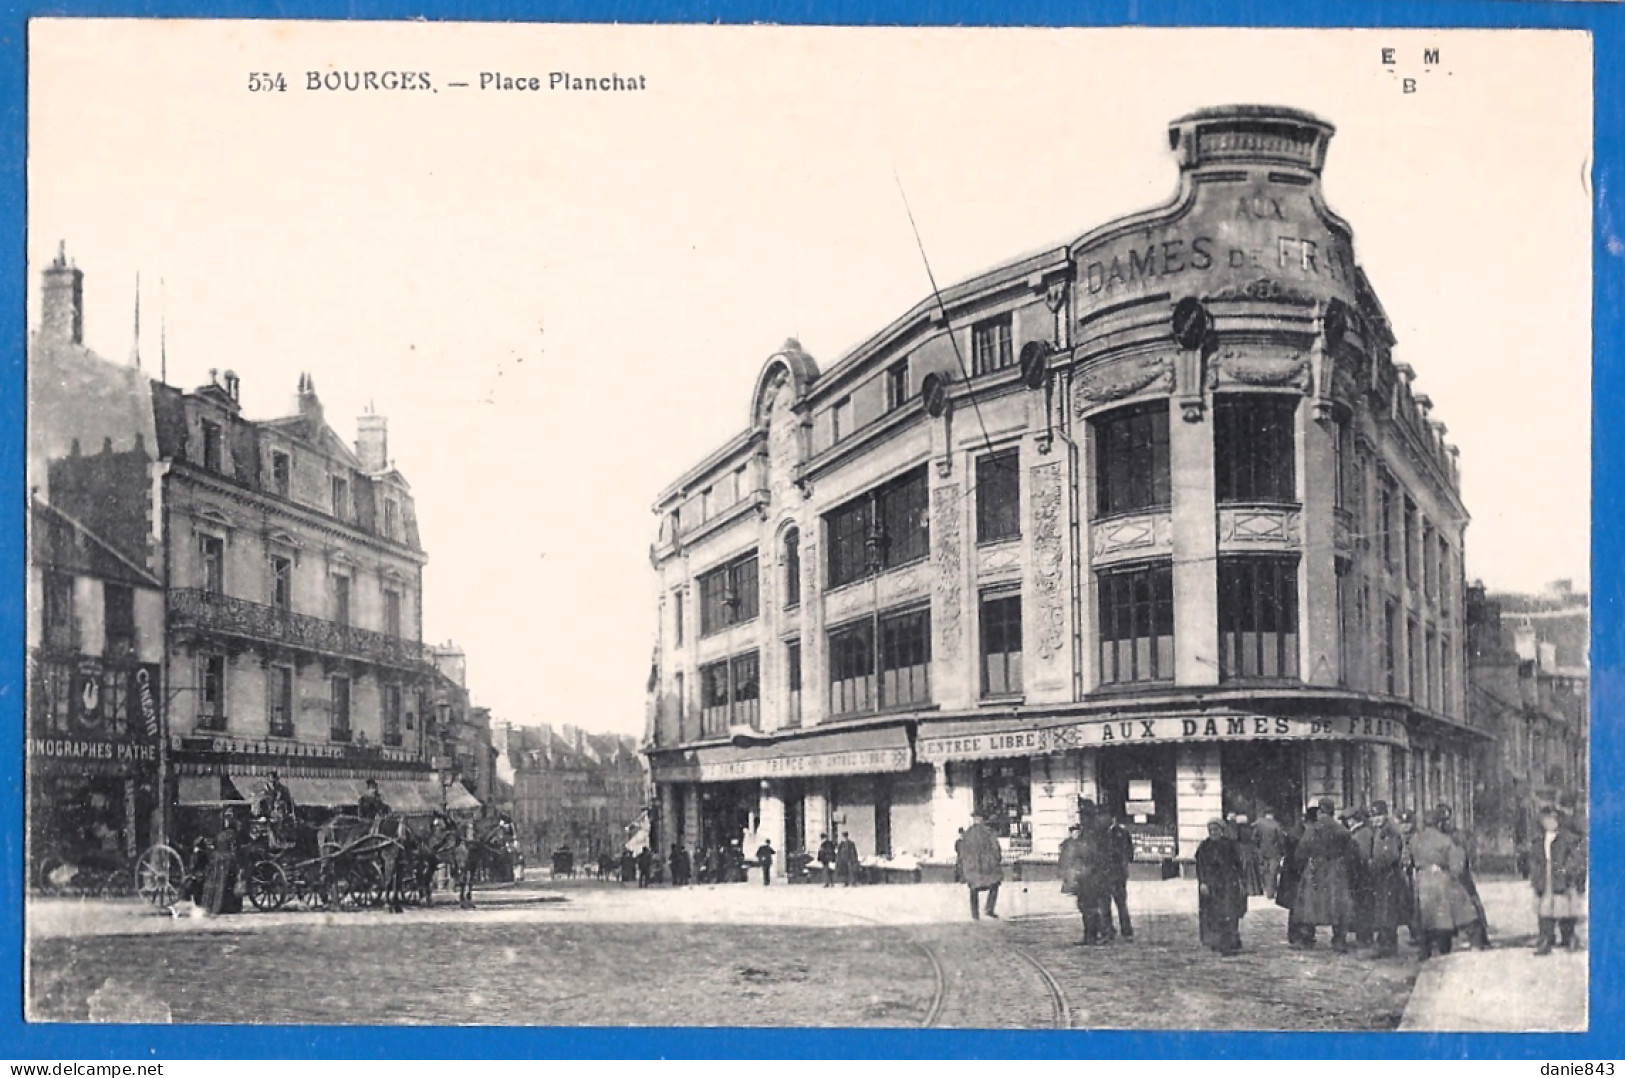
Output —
(469, 848)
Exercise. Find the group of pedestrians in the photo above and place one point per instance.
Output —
(1093, 867)
(839, 860)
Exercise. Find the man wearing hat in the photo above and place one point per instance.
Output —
(1322, 857)
(1382, 850)
(980, 865)
(1478, 933)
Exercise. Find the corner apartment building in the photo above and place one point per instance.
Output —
(1153, 517)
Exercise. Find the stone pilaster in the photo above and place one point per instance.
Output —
(1198, 793)
(1196, 547)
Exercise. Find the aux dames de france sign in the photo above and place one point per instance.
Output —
(1041, 741)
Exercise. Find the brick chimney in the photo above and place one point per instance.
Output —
(62, 314)
(372, 441)
(310, 406)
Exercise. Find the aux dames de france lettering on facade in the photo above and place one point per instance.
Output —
(1260, 239)
(1042, 741)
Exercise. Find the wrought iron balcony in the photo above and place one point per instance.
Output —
(206, 611)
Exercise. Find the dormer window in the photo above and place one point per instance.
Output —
(281, 473)
(212, 457)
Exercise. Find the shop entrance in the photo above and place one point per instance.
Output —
(727, 813)
(1263, 776)
(1136, 784)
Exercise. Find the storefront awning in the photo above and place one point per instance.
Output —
(205, 790)
(407, 798)
(835, 752)
(458, 799)
(325, 793)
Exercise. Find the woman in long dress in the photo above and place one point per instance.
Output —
(1223, 892)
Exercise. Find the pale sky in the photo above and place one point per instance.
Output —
(561, 301)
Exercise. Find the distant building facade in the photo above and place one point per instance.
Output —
(1153, 518)
(574, 789)
(1529, 686)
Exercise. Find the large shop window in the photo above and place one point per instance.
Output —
(884, 528)
(53, 701)
(730, 695)
(1004, 800)
(1258, 617)
(1001, 644)
(1137, 623)
(1131, 459)
(991, 346)
(728, 595)
(897, 645)
(1254, 458)
(998, 496)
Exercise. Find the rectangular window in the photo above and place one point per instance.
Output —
(998, 496)
(741, 485)
(705, 504)
(282, 583)
(341, 599)
(1429, 560)
(1136, 623)
(1407, 539)
(341, 497)
(1345, 623)
(887, 527)
(728, 595)
(60, 618)
(339, 724)
(1001, 644)
(840, 420)
(1131, 459)
(792, 674)
(281, 473)
(1431, 657)
(679, 686)
(746, 690)
(1254, 455)
(1444, 576)
(1340, 464)
(211, 711)
(714, 699)
(991, 348)
(118, 605)
(1388, 521)
(678, 613)
(212, 443)
(1413, 662)
(392, 522)
(55, 701)
(116, 714)
(390, 697)
(1258, 618)
(392, 613)
(279, 701)
(212, 550)
(1447, 686)
(897, 385)
(905, 659)
(792, 568)
(852, 668)
(1390, 648)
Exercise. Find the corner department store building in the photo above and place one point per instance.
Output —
(1185, 541)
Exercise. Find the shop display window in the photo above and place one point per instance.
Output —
(1004, 799)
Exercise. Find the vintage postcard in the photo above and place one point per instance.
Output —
(557, 525)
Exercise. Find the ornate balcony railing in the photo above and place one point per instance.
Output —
(195, 608)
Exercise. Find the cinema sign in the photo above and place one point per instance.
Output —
(981, 744)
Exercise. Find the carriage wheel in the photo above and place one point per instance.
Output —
(310, 891)
(362, 886)
(159, 875)
(268, 886)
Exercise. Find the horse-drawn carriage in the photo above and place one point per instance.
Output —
(342, 862)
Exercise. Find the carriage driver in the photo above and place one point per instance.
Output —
(372, 804)
(276, 805)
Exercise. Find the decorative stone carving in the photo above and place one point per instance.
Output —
(999, 558)
(1253, 369)
(1266, 289)
(1121, 378)
(1248, 526)
(947, 553)
(1049, 560)
(906, 584)
(783, 440)
(1135, 536)
(848, 600)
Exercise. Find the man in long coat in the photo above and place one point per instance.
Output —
(981, 866)
(1271, 839)
(1120, 844)
(1097, 870)
(1442, 904)
(846, 860)
(1381, 846)
(645, 862)
(826, 857)
(1479, 931)
(1322, 857)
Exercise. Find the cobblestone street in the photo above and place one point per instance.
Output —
(737, 956)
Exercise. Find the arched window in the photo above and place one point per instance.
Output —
(792, 568)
